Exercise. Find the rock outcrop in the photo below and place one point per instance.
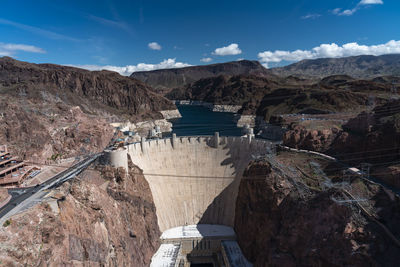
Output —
(91, 90)
(371, 137)
(48, 130)
(278, 225)
(106, 218)
(51, 111)
(171, 114)
(226, 90)
(389, 174)
(300, 137)
(266, 96)
(165, 79)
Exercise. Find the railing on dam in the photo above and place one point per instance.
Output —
(212, 141)
(119, 157)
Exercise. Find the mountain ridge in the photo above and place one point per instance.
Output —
(363, 66)
(164, 79)
(105, 89)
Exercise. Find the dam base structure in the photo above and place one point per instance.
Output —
(194, 182)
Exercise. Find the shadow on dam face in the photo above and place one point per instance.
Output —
(193, 180)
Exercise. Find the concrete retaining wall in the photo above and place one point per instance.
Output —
(194, 180)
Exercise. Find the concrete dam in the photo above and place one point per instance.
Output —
(194, 180)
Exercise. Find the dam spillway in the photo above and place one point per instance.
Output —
(193, 180)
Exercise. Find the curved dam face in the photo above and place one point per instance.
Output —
(194, 180)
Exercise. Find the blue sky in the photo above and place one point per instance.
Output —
(161, 33)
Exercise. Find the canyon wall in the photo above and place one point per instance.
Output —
(279, 225)
(105, 218)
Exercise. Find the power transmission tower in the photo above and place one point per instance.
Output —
(365, 168)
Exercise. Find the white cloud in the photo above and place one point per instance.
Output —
(330, 50)
(206, 59)
(5, 54)
(154, 46)
(346, 12)
(11, 49)
(311, 16)
(127, 70)
(232, 49)
(349, 12)
(371, 2)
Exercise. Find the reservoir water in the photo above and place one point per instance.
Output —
(199, 120)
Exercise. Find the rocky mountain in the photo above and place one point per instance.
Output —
(97, 90)
(226, 90)
(271, 95)
(51, 111)
(165, 79)
(287, 219)
(358, 67)
(371, 137)
(105, 218)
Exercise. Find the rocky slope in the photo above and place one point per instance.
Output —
(288, 101)
(165, 79)
(50, 111)
(92, 91)
(227, 90)
(264, 94)
(300, 137)
(272, 95)
(286, 221)
(357, 66)
(371, 137)
(47, 130)
(106, 218)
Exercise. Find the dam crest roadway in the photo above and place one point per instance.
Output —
(194, 180)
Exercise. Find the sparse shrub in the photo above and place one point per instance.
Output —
(54, 157)
(7, 223)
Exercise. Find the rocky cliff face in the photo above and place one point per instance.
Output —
(266, 96)
(371, 137)
(92, 91)
(50, 111)
(278, 224)
(300, 100)
(358, 66)
(269, 95)
(316, 140)
(227, 90)
(106, 218)
(45, 130)
(165, 79)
